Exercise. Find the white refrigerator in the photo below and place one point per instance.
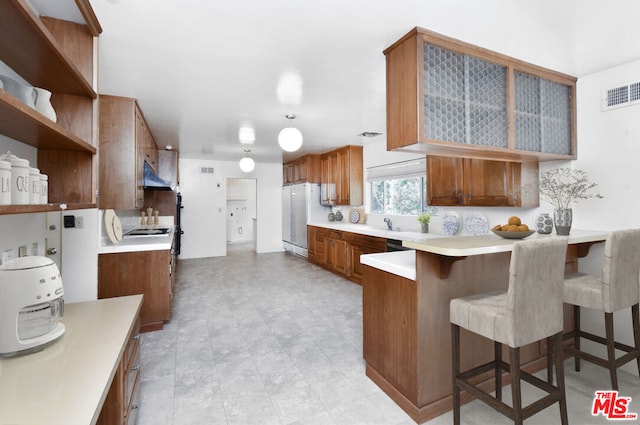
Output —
(300, 205)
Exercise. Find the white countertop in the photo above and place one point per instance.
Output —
(365, 229)
(463, 246)
(138, 243)
(401, 263)
(67, 382)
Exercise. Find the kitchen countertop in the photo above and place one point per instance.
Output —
(403, 263)
(365, 229)
(138, 243)
(463, 246)
(400, 263)
(68, 381)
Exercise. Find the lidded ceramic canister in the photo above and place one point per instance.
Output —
(5, 183)
(44, 189)
(19, 178)
(34, 186)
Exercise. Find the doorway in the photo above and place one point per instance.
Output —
(241, 214)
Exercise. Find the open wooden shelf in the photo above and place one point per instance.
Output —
(30, 49)
(25, 124)
(24, 209)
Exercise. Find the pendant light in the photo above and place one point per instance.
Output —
(290, 138)
(247, 164)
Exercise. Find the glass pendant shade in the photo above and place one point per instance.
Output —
(290, 139)
(247, 164)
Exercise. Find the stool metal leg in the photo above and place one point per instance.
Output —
(611, 349)
(556, 342)
(576, 335)
(455, 363)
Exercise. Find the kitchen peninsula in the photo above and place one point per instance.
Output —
(406, 317)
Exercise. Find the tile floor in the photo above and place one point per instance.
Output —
(271, 339)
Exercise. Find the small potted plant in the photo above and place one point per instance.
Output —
(562, 187)
(424, 220)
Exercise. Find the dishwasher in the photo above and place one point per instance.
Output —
(395, 245)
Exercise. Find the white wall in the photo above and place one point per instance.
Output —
(205, 201)
(608, 149)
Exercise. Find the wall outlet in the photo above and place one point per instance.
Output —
(35, 248)
(22, 251)
(79, 222)
(7, 255)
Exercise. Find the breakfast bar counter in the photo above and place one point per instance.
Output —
(406, 321)
(68, 382)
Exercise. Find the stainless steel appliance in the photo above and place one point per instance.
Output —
(31, 305)
(300, 205)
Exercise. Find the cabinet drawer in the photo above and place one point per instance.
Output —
(131, 378)
(372, 242)
(132, 346)
(132, 414)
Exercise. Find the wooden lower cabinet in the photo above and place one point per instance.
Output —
(121, 405)
(339, 251)
(142, 272)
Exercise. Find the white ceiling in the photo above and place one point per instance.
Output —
(202, 68)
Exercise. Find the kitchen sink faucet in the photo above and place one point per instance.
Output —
(389, 224)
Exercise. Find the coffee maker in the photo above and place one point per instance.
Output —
(31, 305)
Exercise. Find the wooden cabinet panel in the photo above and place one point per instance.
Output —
(340, 251)
(342, 176)
(125, 143)
(56, 55)
(447, 97)
(478, 182)
(142, 272)
(125, 385)
(305, 169)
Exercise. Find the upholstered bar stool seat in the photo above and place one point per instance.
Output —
(617, 288)
(529, 311)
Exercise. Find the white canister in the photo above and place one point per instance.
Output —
(5, 183)
(34, 186)
(44, 189)
(19, 178)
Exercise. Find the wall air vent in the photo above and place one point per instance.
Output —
(618, 97)
(206, 170)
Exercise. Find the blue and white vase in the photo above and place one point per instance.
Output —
(544, 224)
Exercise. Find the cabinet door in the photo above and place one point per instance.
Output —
(336, 255)
(311, 242)
(301, 170)
(287, 171)
(444, 180)
(140, 150)
(356, 270)
(342, 177)
(490, 183)
(326, 185)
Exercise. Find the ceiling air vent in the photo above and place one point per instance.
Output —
(618, 97)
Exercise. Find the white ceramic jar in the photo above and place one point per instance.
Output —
(34, 186)
(5, 183)
(19, 178)
(44, 189)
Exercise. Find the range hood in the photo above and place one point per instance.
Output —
(152, 181)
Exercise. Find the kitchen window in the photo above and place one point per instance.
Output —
(398, 188)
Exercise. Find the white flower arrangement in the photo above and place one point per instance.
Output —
(562, 187)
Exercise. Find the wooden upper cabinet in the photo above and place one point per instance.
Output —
(58, 56)
(305, 169)
(446, 97)
(125, 143)
(453, 181)
(342, 176)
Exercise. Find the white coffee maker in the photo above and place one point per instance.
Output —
(31, 305)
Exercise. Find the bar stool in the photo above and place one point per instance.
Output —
(615, 289)
(530, 310)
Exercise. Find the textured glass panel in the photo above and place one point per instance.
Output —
(527, 112)
(556, 111)
(444, 89)
(487, 103)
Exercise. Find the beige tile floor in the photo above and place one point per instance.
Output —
(271, 339)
